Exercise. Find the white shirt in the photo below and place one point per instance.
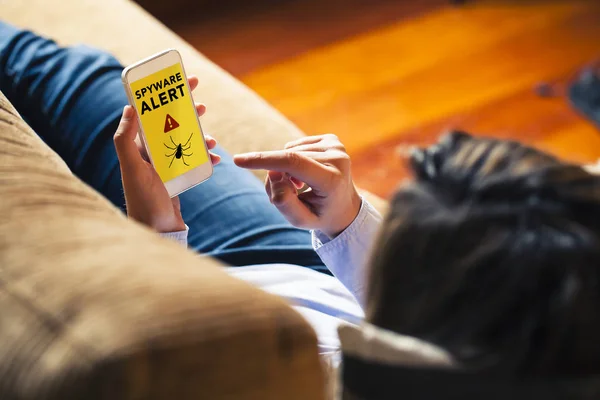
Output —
(323, 300)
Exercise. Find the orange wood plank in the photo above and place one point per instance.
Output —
(255, 34)
(387, 74)
(402, 80)
(473, 68)
(387, 55)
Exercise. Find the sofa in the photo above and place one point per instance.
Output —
(94, 306)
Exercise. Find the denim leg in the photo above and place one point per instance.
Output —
(73, 98)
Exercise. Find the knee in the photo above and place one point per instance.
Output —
(90, 57)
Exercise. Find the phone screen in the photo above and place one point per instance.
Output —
(169, 121)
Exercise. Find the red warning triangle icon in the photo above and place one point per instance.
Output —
(170, 123)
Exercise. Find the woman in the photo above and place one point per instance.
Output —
(490, 253)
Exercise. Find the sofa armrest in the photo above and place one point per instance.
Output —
(95, 306)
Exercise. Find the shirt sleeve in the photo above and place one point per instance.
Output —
(346, 254)
(179, 236)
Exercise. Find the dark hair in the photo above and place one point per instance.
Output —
(493, 252)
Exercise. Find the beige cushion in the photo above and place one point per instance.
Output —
(236, 116)
(94, 306)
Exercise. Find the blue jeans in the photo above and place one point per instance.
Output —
(73, 98)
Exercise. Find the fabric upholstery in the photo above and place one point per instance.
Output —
(97, 307)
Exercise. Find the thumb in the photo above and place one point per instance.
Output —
(284, 196)
(127, 149)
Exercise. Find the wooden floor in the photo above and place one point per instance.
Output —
(387, 74)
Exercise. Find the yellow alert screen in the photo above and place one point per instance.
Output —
(169, 122)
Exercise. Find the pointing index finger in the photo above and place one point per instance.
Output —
(300, 166)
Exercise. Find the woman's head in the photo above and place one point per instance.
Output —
(493, 252)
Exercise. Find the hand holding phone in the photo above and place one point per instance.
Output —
(170, 131)
(146, 196)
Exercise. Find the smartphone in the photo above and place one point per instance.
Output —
(158, 90)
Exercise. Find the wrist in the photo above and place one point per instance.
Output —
(346, 217)
(175, 226)
(161, 225)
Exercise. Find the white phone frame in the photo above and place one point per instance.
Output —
(140, 70)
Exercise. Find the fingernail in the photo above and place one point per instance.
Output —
(127, 111)
(275, 176)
